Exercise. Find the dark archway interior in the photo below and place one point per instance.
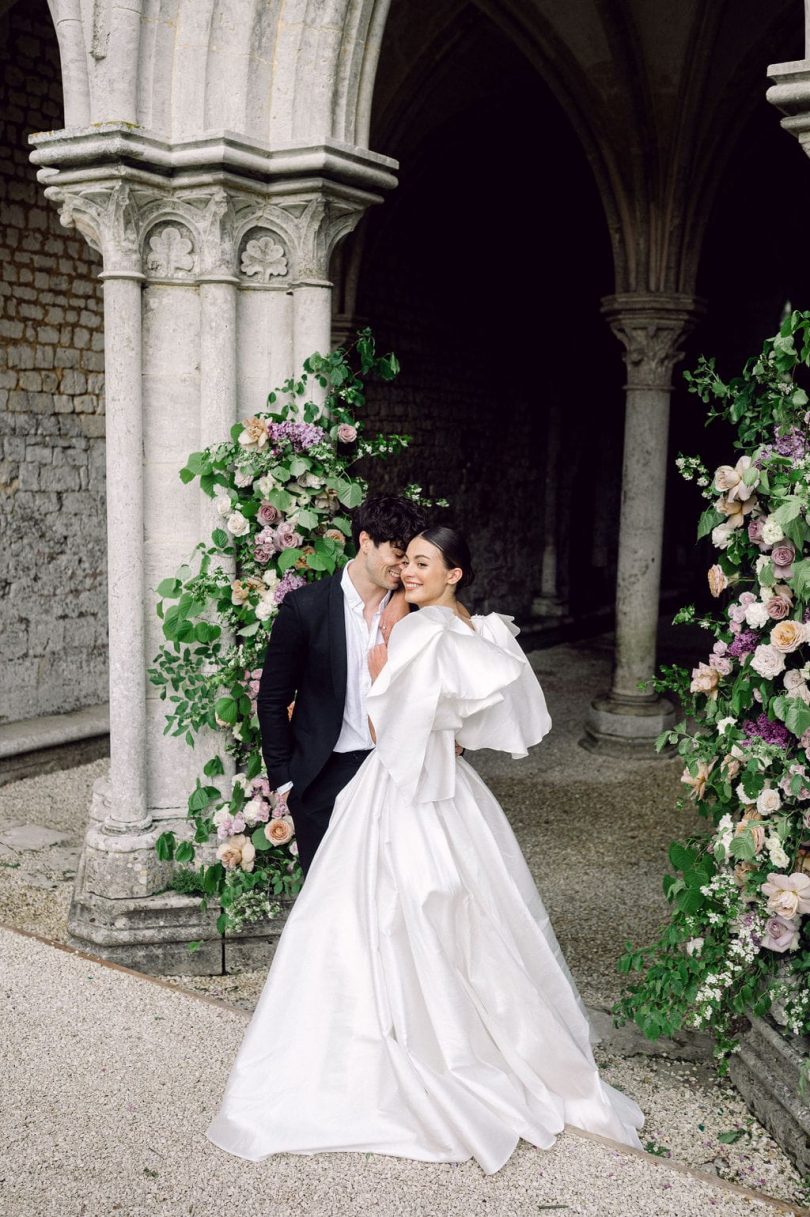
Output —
(485, 271)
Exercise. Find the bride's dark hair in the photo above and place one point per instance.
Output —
(455, 550)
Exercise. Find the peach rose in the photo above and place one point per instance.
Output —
(698, 782)
(731, 765)
(735, 510)
(254, 434)
(787, 636)
(756, 828)
(334, 534)
(237, 851)
(705, 679)
(730, 481)
(718, 581)
(280, 831)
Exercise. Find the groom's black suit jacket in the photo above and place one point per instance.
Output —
(305, 661)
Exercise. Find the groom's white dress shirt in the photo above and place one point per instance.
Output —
(360, 638)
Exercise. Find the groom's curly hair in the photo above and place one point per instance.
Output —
(388, 517)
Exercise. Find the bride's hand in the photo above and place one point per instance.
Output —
(377, 659)
(394, 611)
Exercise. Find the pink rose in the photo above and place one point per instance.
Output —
(755, 531)
(735, 627)
(747, 598)
(736, 612)
(721, 664)
(720, 647)
(287, 537)
(267, 513)
(778, 607)
(782, 556)
(781, 934)
(346, 433)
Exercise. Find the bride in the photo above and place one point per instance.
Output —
(418, 1003)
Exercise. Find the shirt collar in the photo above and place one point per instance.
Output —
(352, 595)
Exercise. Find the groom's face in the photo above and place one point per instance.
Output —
(383, 562)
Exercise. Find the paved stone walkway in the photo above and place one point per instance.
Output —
(595, 832)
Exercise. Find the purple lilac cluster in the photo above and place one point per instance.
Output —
(289, 583)
(791, 443)
(744, 642)
(770, 732)
(299, 436)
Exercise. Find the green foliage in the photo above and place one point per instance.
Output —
(746, 718)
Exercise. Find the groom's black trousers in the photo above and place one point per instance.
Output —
(312, 809)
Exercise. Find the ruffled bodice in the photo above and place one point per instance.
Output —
(445, 683)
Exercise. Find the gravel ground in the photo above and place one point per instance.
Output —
(116, 1098)
(595, 831)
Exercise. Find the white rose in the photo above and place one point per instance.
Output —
(756, 614)
(776, 853)
(772, 531)
(768, 801)
(240, 779)
(768, 662)
(270, 577)
(743, 797)
(265, 484)
(265, 608)
(237, 524)
(222, 815)
(725, 723)
(721, 535)
(252, 810)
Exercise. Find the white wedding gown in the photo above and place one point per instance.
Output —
(418, 1003)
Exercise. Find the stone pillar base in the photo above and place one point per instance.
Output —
(767, 1071)
(617, 726)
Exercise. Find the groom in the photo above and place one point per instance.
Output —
(317, 657)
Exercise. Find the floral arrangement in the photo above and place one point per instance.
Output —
(739, 935)
(281, 490)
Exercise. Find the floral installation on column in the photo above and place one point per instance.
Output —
(282, 488)
(738, 940)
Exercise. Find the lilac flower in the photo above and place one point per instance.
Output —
(742, 644)
(791, 443)
(772, 733)
(289, 583)
(300, 436)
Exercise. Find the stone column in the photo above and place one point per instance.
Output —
(216, 289)
(549, 603)
(651, 328)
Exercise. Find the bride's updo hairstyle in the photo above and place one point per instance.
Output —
(454, 549)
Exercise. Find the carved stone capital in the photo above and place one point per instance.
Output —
(106, 216)
(651, 327)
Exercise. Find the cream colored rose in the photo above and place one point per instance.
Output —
(237, 524)
(767, 661)
(730, 481)
(787, 636)
(705, 680)
(237, 851)
(735, 510)
(721, 535)
(239, 593)
(718, 581)
(280, 831)
(768, 801)
(254, 434)
(787, 895)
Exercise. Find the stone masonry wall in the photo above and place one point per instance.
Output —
(53, 628)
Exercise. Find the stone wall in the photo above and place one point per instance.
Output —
(53, 631)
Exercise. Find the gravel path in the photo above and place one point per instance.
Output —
(595, 831)
(116, 1080)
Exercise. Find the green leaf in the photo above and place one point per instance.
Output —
(259, 839)
(789, 510)
(280, 499)
(164, 846)
(186, 476)
(307, 518)
(184, 852)
(350, 494)
(800, 580)
(169, 588)
(690, 901)
(681, 857)
(797, 718)
(299, 465)
(288, 558)
(226, 709)
(220, 538)
(198, 800)
(198, 462)
(730, 1136)
(708, 520)
(247, 631)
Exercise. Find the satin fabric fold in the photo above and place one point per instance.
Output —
(418, 1003)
